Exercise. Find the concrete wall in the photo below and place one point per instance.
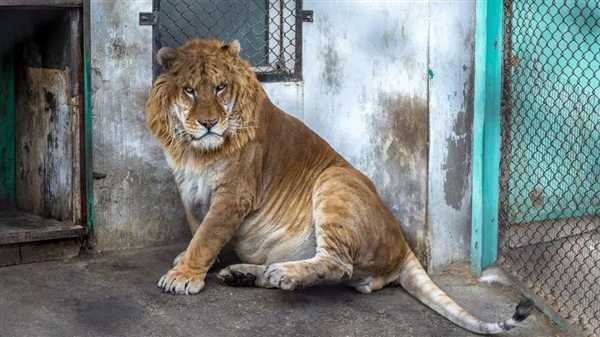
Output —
(389, 85)
(385, 82)
(137, 203)
(365, 91)
(451, 65)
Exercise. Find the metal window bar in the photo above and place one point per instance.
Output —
(550, 167)
(269, 31)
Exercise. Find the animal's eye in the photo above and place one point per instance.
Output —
(189, 90)
(220, 87)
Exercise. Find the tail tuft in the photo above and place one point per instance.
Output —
(523, 310)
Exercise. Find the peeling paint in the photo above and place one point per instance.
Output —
(449, 182)
(458, 160)
(393, 37)
(118, 47)
(332, 64)
(137, 204)
(390, 40)
(332, 69)
(398, 158)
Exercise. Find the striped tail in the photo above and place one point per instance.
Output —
(416, 282)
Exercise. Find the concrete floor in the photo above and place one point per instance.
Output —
(115, 295)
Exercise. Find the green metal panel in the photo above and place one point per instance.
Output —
(554, 96)
(486, 134)
(87, 121)
(7, 130)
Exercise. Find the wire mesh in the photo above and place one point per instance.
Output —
(269, 31)
(550, 164)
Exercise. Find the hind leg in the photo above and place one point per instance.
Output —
(335, 234)
(305, 273)
(369, 284)
(244, 275)
(331, 263)
(351, 229)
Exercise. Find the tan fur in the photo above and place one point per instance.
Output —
(295, 211)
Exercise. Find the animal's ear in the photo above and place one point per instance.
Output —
(232, 48)
(166, 56)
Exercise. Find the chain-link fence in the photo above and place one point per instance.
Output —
(550, 182)
(269, 31)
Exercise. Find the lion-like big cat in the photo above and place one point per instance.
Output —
(256, 178)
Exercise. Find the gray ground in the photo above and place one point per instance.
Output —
(115, 295)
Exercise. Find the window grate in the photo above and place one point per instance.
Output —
(269, 31)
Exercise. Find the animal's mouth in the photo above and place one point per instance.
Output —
(206, 134)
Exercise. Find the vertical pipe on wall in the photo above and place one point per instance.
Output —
(486, 134)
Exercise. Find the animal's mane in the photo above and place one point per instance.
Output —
(200, 56)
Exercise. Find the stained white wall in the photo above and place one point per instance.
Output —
(387, 83)
(451, 60)
(365, 91)
(137, 203)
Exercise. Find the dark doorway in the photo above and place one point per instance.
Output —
(40, 134)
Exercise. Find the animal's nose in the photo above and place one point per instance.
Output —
(207, 123)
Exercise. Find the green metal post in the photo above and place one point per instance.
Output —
(486, 134)
(87, 120)
(7, 130)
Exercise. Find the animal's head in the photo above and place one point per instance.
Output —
(204, 100)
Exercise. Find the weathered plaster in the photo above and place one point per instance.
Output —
(43, 157)
(386, 83)
(137, 203)
(450, 116)
(366, 93)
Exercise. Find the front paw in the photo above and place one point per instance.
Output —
(182, 281)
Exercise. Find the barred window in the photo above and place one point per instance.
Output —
(269, 31)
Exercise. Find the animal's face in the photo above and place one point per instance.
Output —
(204, 79)
(203, 111)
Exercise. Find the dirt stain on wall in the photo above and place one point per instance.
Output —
(458, 161)
(331, 62)
(393, 39)
(123, 148)
(399, 149)
(118, 47)
(332, 68)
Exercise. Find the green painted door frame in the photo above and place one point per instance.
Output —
(7, 130)
(87, 121)
(486, 133)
